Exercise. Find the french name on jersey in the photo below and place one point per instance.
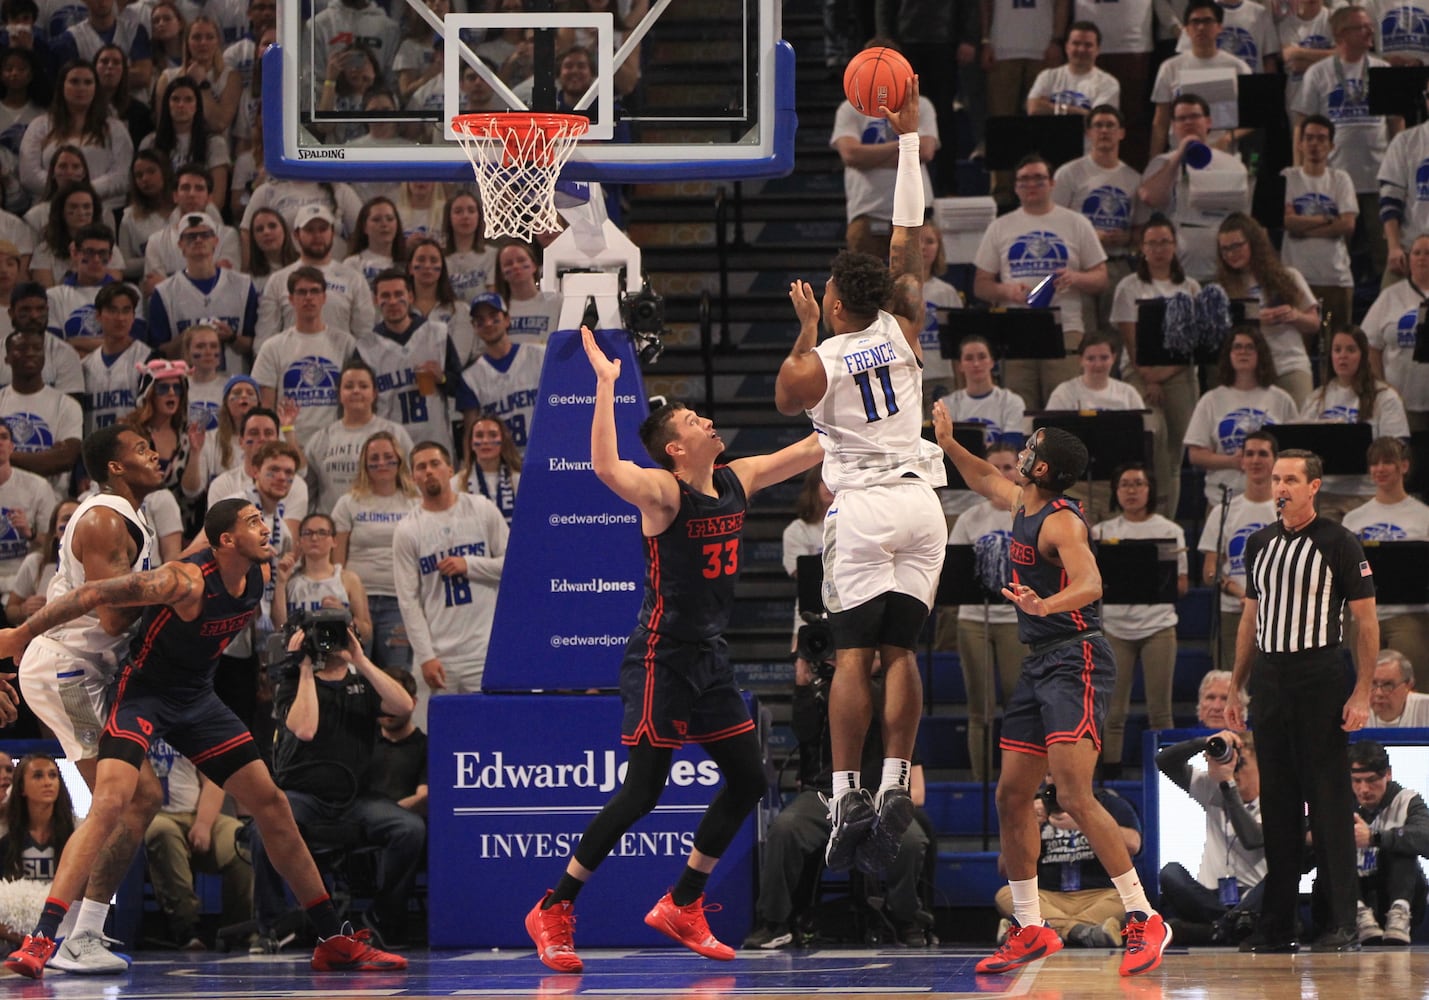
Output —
(870, 357)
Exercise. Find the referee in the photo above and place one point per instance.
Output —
(1299, 575)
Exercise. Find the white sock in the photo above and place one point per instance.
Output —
(895, 774)
(1133, 896)
(91, 917)
(66, 927)
(1026, 904)
(845, 782)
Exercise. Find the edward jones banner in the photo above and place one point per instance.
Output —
(515, 780)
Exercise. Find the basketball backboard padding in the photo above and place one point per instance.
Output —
(756, 140)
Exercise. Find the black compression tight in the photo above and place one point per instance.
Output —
(740, 762)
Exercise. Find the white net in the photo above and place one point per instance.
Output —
(517, 159)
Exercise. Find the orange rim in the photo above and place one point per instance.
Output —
(515, 128)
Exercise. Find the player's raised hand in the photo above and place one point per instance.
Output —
(606, 369)
(942, 422)
(905, 119)
(806, 304)
(9, 700)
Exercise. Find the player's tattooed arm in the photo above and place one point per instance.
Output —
(115, 558)
(171, 583)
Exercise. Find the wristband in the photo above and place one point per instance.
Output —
(908, 185)
(287, 429)
(329, 85)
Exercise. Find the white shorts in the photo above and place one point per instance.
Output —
(68, 693)
(883, 539)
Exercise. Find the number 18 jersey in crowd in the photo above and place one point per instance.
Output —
(870, 419)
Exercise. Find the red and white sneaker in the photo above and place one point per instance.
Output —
(687, 925)
(1146, 941)
(352, 951)
(553, 933)
(1023, 946)
(29, 959)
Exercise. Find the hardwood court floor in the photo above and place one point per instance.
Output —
(861, 974)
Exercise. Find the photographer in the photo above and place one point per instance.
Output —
(801, 830)
(1219, 905)
(328, 698)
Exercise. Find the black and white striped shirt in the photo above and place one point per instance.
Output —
(1302, 581)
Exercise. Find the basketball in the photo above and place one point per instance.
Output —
(874, 77)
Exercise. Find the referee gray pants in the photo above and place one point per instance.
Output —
(1297, 700)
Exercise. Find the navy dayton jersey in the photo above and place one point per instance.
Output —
(1031, 568)
(692, 566)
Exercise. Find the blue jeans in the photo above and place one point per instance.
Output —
(402, 835)
(390, 649)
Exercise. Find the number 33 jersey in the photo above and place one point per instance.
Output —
(870, 419)
(692, 566)
(449, 617)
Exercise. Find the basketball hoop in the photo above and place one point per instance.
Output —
(517, 158)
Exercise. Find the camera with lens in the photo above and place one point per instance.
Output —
(325, 631)
(1220, 750)
(816, 645)
(644, 317)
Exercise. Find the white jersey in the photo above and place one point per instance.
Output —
(306, 593)
(180, 302)
(1243, 519)
(84, 638)
(1340, 91)
(307, 367)
(449, 618)
(534, 320)
(981, 525)
(870, 418)
(333, 454)
(72, 312)
(1406, 521)
(163, 256)
(41, 420)
(1134, 622)
(426, 418)
(177, 777)
(30, 494)
(348, 307)
(369, 522)
(507, 389)
(111, 384)
(1390, 325)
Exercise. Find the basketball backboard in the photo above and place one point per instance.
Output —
(714, 97)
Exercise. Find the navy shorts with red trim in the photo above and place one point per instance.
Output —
(678, 692)
(1061, 697)
(201, 727)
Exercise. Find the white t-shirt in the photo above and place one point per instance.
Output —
(1125, 25)
(1248, 33)
(1339, 91)
(1400, 28)
(1323, 260)
(1415, 714)
(1131, 290)
(1243, 519)
(1027, 248)
(1020, 30)
(984, 520)
(534, 320)
(1312, 34)
(1338, 404)
(1105, 196)
(1196, 220)
(1406, 521)
(333, 454)
(39, 422)
(348, 307)
(1287, 344)
(938, 297)
(1389, 326)
(869, 191)
(1168, 86)
(801, 539)
(1134, 622)
(1001, 412)
(1224, 416)
(1074, 394)
(306, 366)
(30, 494)
(1061, 86)
(371, 522)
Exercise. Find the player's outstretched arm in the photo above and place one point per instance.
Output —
(980, 475)
(758, 471)
(801, 381)
(654, 491)
(171, 584)
(905, 256)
